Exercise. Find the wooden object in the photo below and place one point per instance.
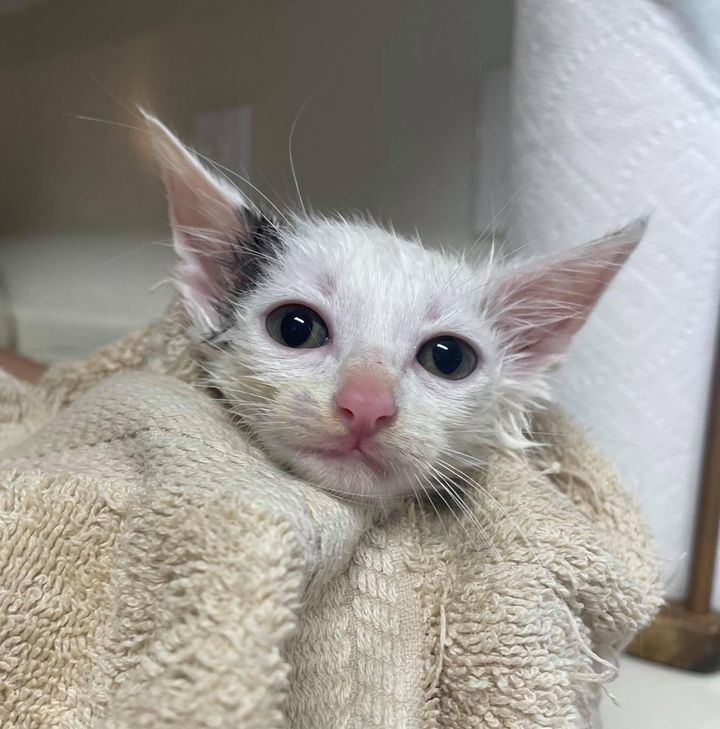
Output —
(682, 639)
(22, 367)
(687, 635)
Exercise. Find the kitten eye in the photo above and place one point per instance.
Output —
(447, 357)
(297, 326)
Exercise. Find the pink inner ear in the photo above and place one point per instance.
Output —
(541, 317)
(206, 225)
(539, 310)
(204, 286)
(206, 218)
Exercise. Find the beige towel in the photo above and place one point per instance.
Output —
(156, 571)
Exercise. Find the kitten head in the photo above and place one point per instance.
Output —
(360, 360)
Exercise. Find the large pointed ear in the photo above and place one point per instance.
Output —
(215, 230)
(538, 308)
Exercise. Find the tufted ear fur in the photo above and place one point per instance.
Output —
(539, 308)
(216, 232)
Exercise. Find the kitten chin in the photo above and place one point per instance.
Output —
(353, 475)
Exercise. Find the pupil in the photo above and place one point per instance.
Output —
(296, 328)
(447, 356)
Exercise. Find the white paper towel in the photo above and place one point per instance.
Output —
(616, 111)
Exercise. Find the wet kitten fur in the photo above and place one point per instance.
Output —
(382, 296)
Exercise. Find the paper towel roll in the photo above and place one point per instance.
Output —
(615, 113)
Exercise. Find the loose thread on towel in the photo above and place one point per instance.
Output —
(601, 677)
(610, 695)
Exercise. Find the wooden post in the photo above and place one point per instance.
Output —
(707, 524)
(687, 635)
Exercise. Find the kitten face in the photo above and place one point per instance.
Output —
(381, 298)
(361, 361)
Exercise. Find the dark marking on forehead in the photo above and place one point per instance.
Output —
(253, 252)
(258, 249)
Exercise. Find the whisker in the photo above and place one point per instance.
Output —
(457, 499)
(430, 501)
(473, 484)
(291, 137)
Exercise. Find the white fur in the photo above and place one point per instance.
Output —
(382, 297)
(374, 291)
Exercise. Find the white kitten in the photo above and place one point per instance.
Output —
(360, 360)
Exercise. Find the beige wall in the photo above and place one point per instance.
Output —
(389, 129)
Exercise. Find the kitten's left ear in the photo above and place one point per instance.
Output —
(539, 308)
(212, 224)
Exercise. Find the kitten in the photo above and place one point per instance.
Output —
(359, 360)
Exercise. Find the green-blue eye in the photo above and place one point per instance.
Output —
(297, 326)
(447, 357)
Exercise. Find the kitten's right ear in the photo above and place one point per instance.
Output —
(210, 222)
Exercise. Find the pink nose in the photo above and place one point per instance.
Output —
(366, 402)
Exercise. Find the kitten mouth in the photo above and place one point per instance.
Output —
(355, 454)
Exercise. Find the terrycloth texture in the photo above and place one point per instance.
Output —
(156, 571)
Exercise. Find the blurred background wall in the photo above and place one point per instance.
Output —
(389, 124)
(389, 127)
